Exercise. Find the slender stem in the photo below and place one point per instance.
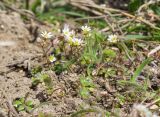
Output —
(126, 51)
(44, 52)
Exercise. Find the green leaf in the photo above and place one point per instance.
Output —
(86, 82)
(59, 68)
(133, 37)
(35, 81)
(21, 108)
(28, 108)
(97, 24)
(17, 103)
(110, 72)
(156, 9)
(36, 70)
(73, 13)
(29, 103)
(135, 4)
(109, 53)
(35, 4)
(108, 114)
(139, 69)
(47, 80)
(22, 100)
(84, 92)
(49, 90)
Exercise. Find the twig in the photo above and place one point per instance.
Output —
(94, 17)
(154, 51)
(129, 15)
(110, 25)
(150, 104)
(87, 9)
(86, 5)
(151, 2)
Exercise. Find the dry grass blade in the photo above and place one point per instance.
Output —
(154, 51)
(139, 69)
(92, 7)
(151, 2)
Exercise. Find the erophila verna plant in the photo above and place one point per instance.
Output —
(86, 48)
(22, 105)
(86, 51)
(39, 76)
(72, 42)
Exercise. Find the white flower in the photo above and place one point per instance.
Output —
(86, 29)
(46, 35)
(113, 38)
(52, 58)
(77, 41)
(65, 29)
(70, 36)
(69, 39)
(67, 33)
(71, 33)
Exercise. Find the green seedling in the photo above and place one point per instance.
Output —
(36, 70)
(84, 92)
(22, 105)
(59, 68)
(43, 78)
(109, 72)
(87, 86)
(109, 53)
